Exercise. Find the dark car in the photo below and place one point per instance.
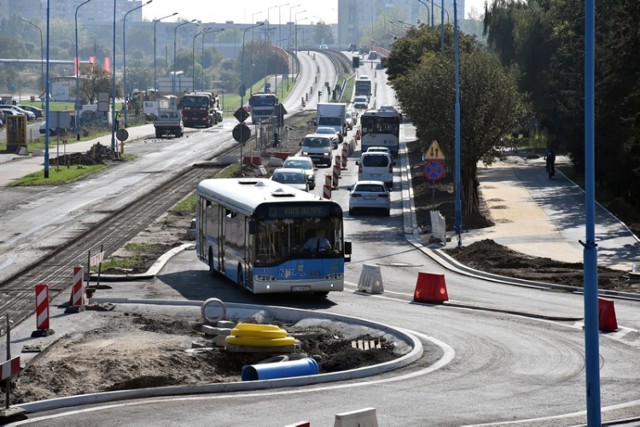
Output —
(35, 110)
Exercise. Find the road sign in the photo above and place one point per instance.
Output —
(434, 169)
(241, 133)
(241, 114)
(434, 152)
(122, 134)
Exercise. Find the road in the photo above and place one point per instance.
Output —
(496, 353)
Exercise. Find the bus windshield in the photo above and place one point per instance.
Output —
(371, 124)
(280, 240)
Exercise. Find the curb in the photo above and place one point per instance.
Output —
(150, 273)
(280, 313)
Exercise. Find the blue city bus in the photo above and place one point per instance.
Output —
(381, 128)
(253, 231)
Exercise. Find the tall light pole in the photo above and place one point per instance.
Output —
(113, 84)
(155, 75)
(276, 64)
(202, 50)
(175, 36)
(295, 50)
(193, 57)
(243, 88)
(77, 66)
(46, 107)
(590, 251)
(291, 23)
(124, 61)
(458, 202)
(279, 37)
(41, 53)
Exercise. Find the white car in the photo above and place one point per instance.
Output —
(295, 178)
(349, 120)
(369, 195)
(360, 103)
(336, 137)
(376, 167)
(304, 163)
(377, 149)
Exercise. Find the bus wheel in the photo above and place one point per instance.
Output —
(240, 276)
(211, 267)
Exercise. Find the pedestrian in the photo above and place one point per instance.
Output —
(550, 157)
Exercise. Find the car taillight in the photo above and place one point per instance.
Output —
(356, 195)
(360, 168)
(390, 168)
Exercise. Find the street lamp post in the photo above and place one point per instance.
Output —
(458, 202)
(281, 39)
(124, 60)
(202, 50)
(295, 50)
(77, 66)
(46, 108)
(276, 64)
(175, 36)
(114, 127)
(155, 76)
(290, 24)
(41, 54)
(243, 88)
(193, 57)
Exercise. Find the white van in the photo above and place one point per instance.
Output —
(376, 166)
(318, 147)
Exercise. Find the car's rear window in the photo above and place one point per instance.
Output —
(370, 188)
(375, 161)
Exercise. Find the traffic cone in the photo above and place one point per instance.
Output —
(606, 316)
(430, 288)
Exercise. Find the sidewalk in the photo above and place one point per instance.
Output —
(545, 218)
(14, 166)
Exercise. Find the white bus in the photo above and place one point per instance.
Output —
(381, 128)
(253, 231)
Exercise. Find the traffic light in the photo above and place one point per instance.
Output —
(355, 61)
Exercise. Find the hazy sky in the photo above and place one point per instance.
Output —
(244, 11)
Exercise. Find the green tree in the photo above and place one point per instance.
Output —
(490, 103)
(323, 34)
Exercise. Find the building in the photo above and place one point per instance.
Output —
(356, 17)
(66, 9)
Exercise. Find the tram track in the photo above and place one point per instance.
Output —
(55, 268)
(17, 294)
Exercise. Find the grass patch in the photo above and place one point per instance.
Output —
(185, 206)
(57, 175)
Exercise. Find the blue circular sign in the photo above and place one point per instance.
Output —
(434, 169)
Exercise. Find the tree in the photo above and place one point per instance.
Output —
(490, 104)
(323, 34)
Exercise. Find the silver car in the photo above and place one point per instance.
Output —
(304, 163)
(369, 195)
(295, 178)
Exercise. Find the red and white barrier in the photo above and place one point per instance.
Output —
(42, 307)
(345, 154)
(10, 368)
(336, 175)
(77, 291)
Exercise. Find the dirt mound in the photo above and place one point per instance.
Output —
(138, 351)
(487, 255)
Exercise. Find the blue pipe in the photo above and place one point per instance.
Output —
(269, 371)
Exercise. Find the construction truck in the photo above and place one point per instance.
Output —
(198, 109)
(263, 107)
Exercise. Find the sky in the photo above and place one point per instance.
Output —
(245, 11)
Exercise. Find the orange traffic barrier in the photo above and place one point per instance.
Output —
(430, 288)
(606, 316)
